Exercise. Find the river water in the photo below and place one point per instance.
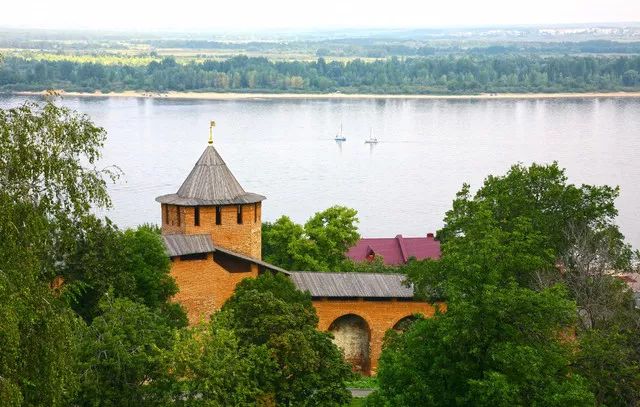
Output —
(284, 149)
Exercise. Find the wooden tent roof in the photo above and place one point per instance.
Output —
(210, 183)
(352, 285)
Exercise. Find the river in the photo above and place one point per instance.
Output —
(284, 149)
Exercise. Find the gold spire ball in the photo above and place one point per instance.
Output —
(212, 124)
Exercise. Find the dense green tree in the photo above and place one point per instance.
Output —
(121, 355)
(206, 366)
(609, 359)
(38, 331)
(48, 181)
(284, 244)
(448, 72)
(498, 343)
(541, 195)
(527, 235)
(131, 263)
(54, 253)
(631, 78)
(333, 231)
(307, 369)
(319, 245)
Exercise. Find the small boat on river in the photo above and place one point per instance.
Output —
(371, 139)
(339, 136)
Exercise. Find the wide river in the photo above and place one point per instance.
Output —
(284, 149)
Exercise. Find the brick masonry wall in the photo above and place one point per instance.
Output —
(245, 238)
(380, 316)
(204, 285)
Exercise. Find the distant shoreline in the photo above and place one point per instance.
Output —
(249, 96)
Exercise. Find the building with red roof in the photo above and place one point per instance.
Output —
(396, 250)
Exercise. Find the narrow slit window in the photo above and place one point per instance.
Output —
(178, 214)
(218, 215)
(239, 214)
(255, 212)
(166, 214)
(196, 216)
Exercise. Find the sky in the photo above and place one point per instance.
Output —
(247, 15)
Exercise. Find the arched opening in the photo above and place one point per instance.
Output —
(404, 323)
(351, 334)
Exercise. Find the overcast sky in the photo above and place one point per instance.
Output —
(247, 15)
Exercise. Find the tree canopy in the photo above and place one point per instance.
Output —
(498, 343)
(304, 367)
(48, 181)
(478, 72)
(526, 274)
(318, 245)
(59, 263)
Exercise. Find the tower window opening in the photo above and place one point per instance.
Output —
(178, 214)
(239, 214)
(218, 215)
(166, 214)
(196, 216)
(255, 212)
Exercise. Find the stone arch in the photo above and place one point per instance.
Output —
(351, 333)
(404, 322)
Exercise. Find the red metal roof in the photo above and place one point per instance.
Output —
(396, 250)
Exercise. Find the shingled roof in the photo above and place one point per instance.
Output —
(210, 183)
(181, 245)
(396, 250)
(352, 285)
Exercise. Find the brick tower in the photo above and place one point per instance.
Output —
(211, 201)
(212, 230)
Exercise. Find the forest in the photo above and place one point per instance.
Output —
(439, 74)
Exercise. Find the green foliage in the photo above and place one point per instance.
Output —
(540, 196)
(38, 332)
(319, 245)
(497, 344)
(48, 181)
(305, 368)
(569, 229)
(43, 149)
(121, 355)
(424, 74)
(503, 340)
(132, 263)
(363, 382)
(376, 265)
(207, 367)
(609, 359)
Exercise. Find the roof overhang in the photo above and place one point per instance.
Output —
(175, 199)
(181, 245)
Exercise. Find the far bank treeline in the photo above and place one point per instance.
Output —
(428, 75)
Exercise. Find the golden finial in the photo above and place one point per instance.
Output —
(212, 124)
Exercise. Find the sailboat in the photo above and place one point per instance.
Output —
(339, 136)
(371, 139)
